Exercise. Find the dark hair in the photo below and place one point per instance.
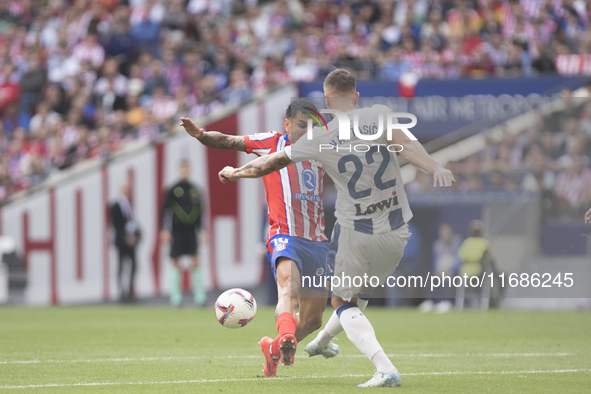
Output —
(476, 228)
(340, 81)
(299, 105)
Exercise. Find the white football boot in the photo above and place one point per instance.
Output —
(329, 351)
(381, 379)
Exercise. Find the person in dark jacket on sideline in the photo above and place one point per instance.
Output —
(127, 237)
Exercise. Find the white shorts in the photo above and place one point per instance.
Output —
(360, 255)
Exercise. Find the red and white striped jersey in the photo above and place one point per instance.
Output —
(573, 188)
(94, 54)
(294, 193)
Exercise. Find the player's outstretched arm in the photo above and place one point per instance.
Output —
(213, 139)
(257, 168)
(415, 153)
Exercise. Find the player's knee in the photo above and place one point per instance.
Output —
(335, 303)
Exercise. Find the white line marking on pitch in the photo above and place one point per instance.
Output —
(289, 378)
(145, 359)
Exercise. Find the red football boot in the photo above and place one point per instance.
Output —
(271, 362)
(287, 347)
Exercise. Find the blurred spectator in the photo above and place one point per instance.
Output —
(445, 263)
(573, 188)
(107, 143)
(538, 178)
(238, 90)
(148, 129)
(208, 99)
(393, 66)
(410, 264)
(176, 18)
(32, 83)
(497, 181)
(161, 105)
(9, 86)
(81, 148)
(127, 237)
(60, 64)
(435, 29)
(89, 50)
(44, 118)
(445, 250)
(117, 41)
(54, 95)
(511, 183)
(37, 173)
(12, 118)
(135, 114)
(474, 252)
(111, 79)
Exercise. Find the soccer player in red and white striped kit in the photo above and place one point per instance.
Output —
(296, 243)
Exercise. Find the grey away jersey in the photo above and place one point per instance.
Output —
(371, 197)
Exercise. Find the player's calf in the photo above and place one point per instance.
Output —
(308, 326)
(312, 305)
(287, 286)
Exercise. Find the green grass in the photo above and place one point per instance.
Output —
(182, 351)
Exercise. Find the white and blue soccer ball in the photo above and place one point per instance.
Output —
(235, 308)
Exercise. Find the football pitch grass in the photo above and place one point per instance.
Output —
(107, 349)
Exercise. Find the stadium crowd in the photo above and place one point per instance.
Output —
(551, 157)
(81, 78)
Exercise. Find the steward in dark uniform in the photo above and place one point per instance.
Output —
(181, 215)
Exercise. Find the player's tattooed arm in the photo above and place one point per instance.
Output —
(257, 168)
(213, 139)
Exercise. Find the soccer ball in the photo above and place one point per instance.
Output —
(235, 308)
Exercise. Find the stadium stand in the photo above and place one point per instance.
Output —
(550, 156)
(80, 79)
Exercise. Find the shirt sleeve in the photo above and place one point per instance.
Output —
(383, 111)
(261, 143)
(304, 149)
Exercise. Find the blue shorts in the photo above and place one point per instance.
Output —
(310, 257)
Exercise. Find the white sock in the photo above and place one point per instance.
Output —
(331, 329)
(360, 331)
(382, 362)
(333, 326)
